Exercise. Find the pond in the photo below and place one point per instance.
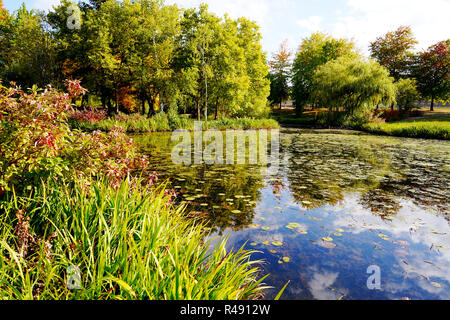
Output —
(342, 207)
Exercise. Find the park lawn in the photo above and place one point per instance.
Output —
(431, 126)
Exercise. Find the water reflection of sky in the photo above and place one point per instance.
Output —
(382, 201)
(413, 257)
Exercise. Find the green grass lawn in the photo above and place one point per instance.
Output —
(432, 126)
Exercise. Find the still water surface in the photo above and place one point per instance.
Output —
(339, 204)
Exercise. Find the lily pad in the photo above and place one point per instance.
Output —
(286, 259)
(277, 243)
(383, 236)
(435, 284)
(329, 239)
(265, 228)
(293, 225)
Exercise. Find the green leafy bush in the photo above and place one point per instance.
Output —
(407, 94)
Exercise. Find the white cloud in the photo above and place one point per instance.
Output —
(313, 23)
(366, 20)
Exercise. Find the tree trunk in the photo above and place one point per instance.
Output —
(103, 98)
(198, 110)
(109, 106)
(217, 109)
(432, 104)
(85, 100)
(151, 107)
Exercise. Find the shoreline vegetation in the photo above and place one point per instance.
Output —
(426, 125)
(124, 243)
(84, 217)
(163, 122)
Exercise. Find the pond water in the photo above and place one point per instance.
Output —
(340, 203)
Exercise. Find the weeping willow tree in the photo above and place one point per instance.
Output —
(353, 84)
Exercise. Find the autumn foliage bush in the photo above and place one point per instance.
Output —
(36, 142)
(90, 115)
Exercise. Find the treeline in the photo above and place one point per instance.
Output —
(330, 73)
(140, 56)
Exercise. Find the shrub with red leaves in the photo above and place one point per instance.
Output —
(89, 115)
(36, 142)
(392, 115)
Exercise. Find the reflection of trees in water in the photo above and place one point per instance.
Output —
(208, 184)
(321, 168)
(380, 202)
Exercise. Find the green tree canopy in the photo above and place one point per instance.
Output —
(27, 54)
(431, 69)
(313, 52)
(353, 84)
(393, 51)
(280, 69)
(407, 93)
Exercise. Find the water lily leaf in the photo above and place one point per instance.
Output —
(286, 259)
(435, 284)
(293, 225)
(265, 243)
(337, 234)
(329, 239)
(383, 236)
(340, 230)
(277, 243)
(255, 226)
(236, 211)
(273, 251)
(302, 231)
(265, 228)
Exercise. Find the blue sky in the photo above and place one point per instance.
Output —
(362, 20)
